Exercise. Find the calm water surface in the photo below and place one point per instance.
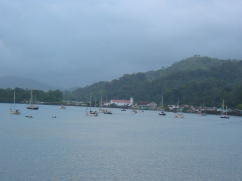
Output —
(119, 147)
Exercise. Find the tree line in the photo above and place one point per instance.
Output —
(23, 95)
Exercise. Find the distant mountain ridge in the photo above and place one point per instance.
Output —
(196, 80)
(20, 82)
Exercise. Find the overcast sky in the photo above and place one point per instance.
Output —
(71, 43)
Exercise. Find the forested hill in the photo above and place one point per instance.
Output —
(195, 80)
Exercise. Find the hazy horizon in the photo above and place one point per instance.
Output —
(72, 44)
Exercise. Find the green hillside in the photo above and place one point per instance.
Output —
(195, 80)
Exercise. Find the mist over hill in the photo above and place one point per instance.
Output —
(20, 82)
(196, 80)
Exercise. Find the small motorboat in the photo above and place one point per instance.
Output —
(62, 107)
(135, 111)
(14, 111)
(107, 112)
(92, 113)
(179, 115)
(162, 113)
(29, 116)
(224, 116)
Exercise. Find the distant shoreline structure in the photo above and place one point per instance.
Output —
(185, 108)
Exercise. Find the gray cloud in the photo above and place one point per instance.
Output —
(74, 43)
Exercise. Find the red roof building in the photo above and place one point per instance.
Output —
(122, 102)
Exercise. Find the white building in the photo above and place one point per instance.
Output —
(118, 102)
(173, 107)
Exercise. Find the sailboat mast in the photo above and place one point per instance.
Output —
(162, 101)
(14, 97)
(101, 102)
(178, 107)
(223, 105)
(31, 97)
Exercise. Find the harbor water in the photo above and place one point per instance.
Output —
(122, 146)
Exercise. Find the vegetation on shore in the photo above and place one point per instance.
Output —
(23, 96)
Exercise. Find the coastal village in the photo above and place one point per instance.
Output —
(144, 105)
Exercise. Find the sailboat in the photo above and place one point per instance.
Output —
(31, 105)
(202, 111)
(90, 112)
(224, 113)
(13, 110)
(179, 115)
(162, 113)
(62, 106)
(101, 110)
(104, 111)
